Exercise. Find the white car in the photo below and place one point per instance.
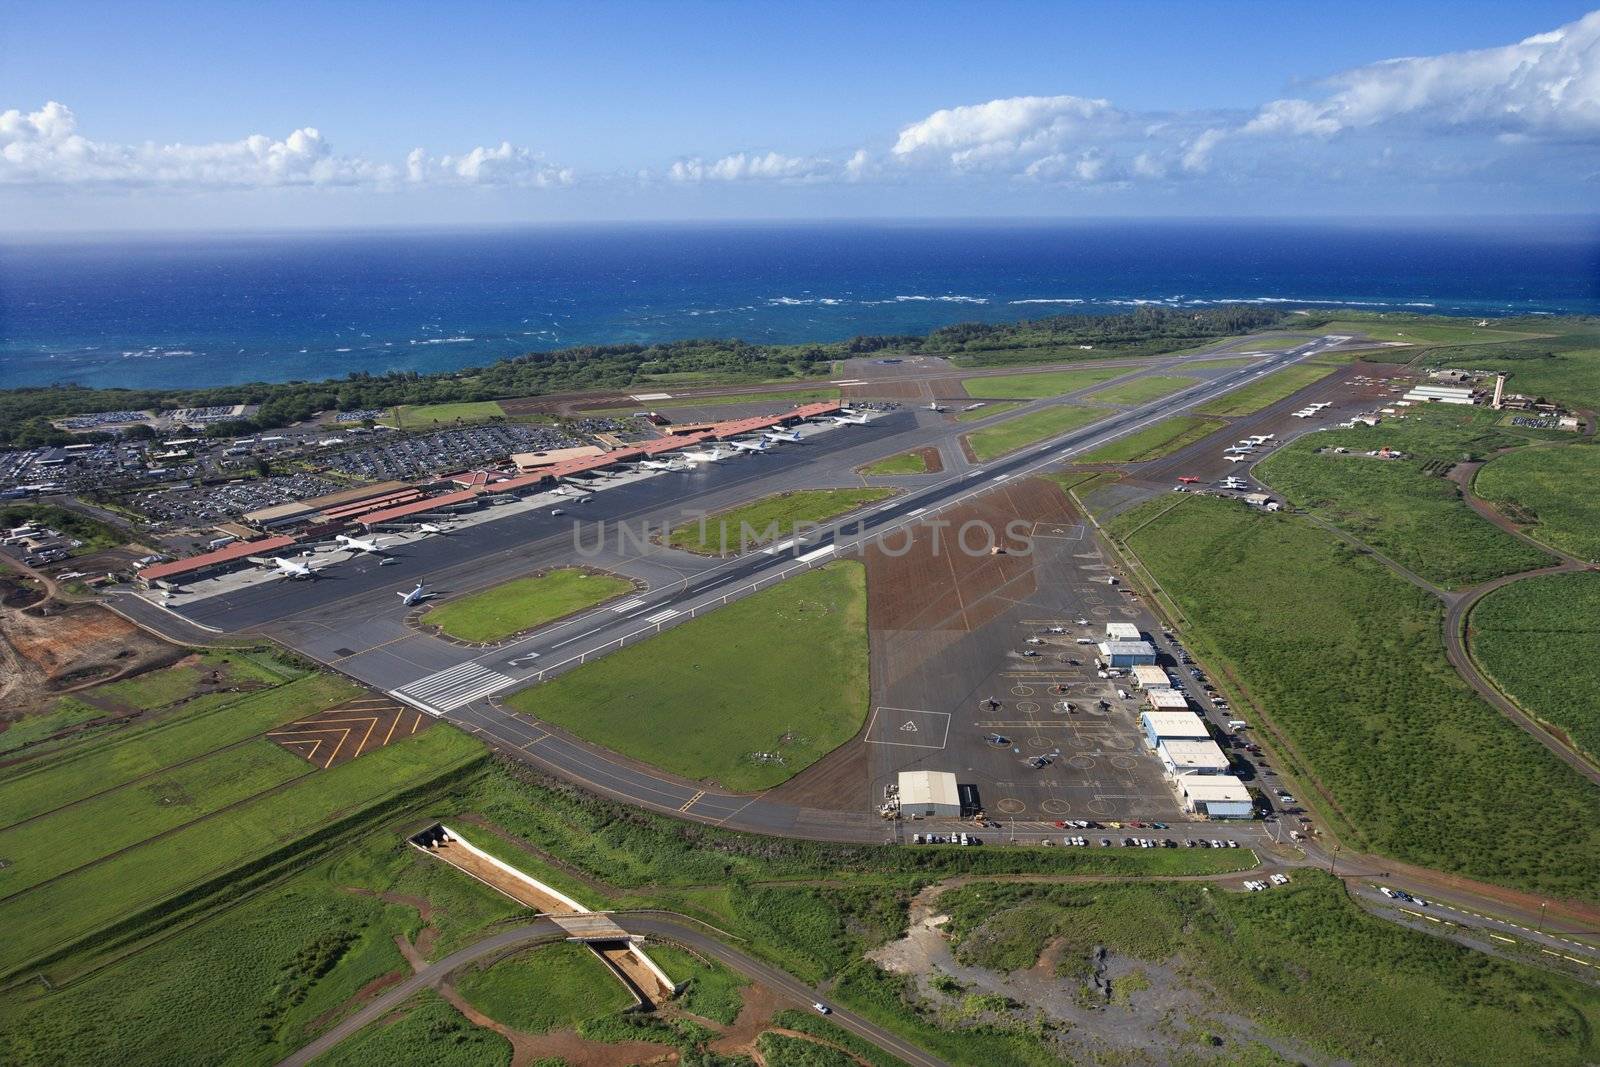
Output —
(822, 1009)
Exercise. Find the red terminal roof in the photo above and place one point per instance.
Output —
(418, 507)
(225, 554)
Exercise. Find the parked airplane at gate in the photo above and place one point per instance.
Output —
(357, 544)
(288, 568)
(746, 446)
(850, 420)
(716, 455)
(788, 436)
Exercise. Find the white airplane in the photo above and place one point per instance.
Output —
(850, 420)
(933, 405)
(659, 465)
(716, 455)
(356, 544)
(290, 568)
(746, 446)
(416, 596)
(787, 436)
(567, 490)
(432, 528)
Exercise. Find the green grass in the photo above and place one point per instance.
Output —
(748, 526)
(30, 731)
(810, 1023)
(1139, 390)
(1551, 491)
(95, 535)
(524, 604)
(1303, 962)
(1037, 386)
(1248, 399)
(710, 990)
(430, 1033)
(552, 987)
(1015, 433)
(1269, 344)
(1428, 333)
(61, 912)
(1162, 439)
(1534, 638)
(904, 463)
(1348, 661)
(790, 398)
(782, 672)
(1405, 508)
(987, 410)
(83, 833)
(107, 760)
(785, 1050)
(426, 416)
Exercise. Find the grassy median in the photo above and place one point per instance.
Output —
(1012, 434)
(739, 529)
(524, 604)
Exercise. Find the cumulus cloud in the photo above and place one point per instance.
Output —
(741, 166)
(1004, 130)
(44, 147)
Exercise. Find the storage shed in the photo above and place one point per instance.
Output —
(929, 793)
(1163, 699)
(1127, 653)
(1159, 726)
(1216, 796)
(1179, 758)
(1147, 676)
(1122, 631)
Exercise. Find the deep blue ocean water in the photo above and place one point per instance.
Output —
(188, 311)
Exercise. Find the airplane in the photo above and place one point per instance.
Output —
(416, 596)
(933, 405)
(290, 568)
(746, 446)
(1188, 479)
(788, 436)
(356, 544)
(432, 528)
(716, 455)
(850, 420)
(659, 465)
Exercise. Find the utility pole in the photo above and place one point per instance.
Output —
(1334, 859)
(1542, 905)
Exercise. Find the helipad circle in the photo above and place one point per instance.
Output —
(1083, 763)
(1027, 707)
(1124, 763)
(1054, 806)
(1040, 741)
(1011, 806)
(1079, 742)
(1021, 690)
(1099, 807)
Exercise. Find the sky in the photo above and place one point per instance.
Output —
(224, 116)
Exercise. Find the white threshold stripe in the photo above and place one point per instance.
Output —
(662, 616)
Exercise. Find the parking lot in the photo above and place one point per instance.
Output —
(189, 506)
(384, 458)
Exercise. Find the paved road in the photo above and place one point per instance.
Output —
(660, 925)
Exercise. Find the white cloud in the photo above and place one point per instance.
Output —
(769, 166)
(1547, 86)
(1005, 129)
(44, 147)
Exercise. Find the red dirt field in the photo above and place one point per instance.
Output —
(340, 734)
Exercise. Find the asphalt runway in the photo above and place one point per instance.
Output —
(354, 622)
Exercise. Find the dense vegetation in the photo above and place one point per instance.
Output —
(552, 987)
(25, 413)
(94, 534)
(1348, 660)
(1536, 638)
(1406, 508)
(1302, 960)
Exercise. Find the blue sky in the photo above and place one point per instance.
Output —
(228, 115)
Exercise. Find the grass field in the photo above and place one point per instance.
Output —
(1348, 661)
(60, 912)
(1037, 386)
(1550, 490)
(710, 990)
(1527, 637)
(987, 410)
(524, 604)
(1014, 433)
(1405, 508)
(552, 987)
(1153, 442)
(772, 518)
(1302, 961)
(312, 941)
(107, 760)
(1564, 368)
(429, 1033)
(782, 672)
(1139, 390)
(1427, 333)
(1248, 399)
(904, 463)
(425, 416)
(786, 1050)
(789, 397)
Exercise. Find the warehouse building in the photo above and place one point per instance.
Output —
(1127, 653)
(929, 793)
(1159, 726)
(1179, 758)
(1123, 631)
(1163, 699)
(1441, 394)
(1149, 676)
(1216, 796)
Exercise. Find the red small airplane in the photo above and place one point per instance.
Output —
(1188, 479)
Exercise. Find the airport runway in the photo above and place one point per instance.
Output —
(353, 622)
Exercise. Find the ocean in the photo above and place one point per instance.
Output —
(175, 311)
